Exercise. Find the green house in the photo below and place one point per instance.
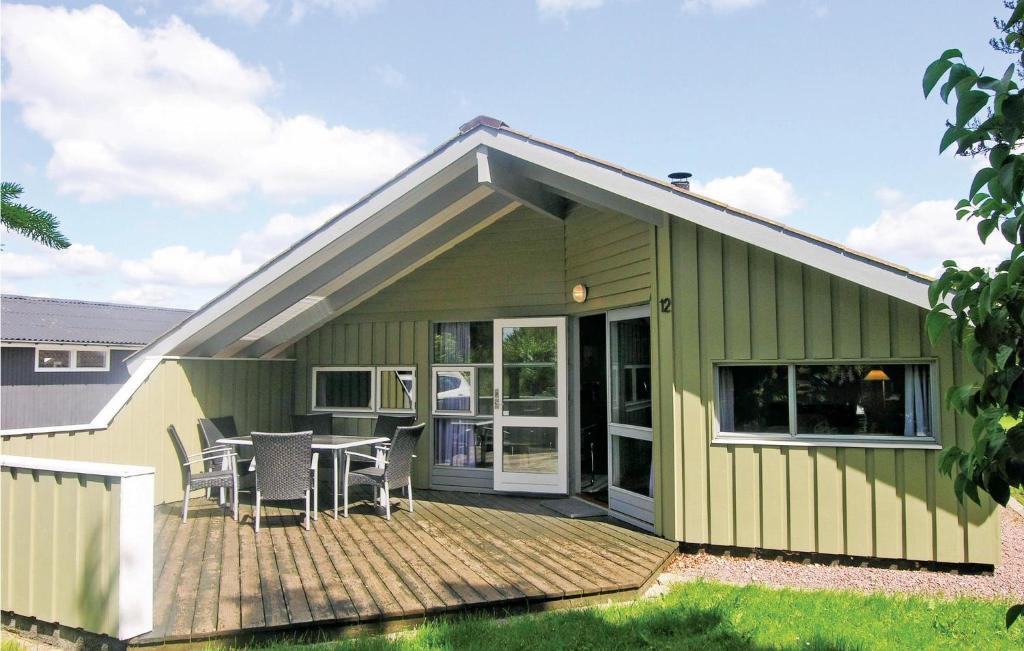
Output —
(568, 327)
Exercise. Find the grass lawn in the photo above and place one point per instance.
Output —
(1017, 494)
(709, 615)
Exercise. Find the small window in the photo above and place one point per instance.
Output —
(453, 390)
(753, 399)
(91, 359)
(396, 390)
(47, 358)
(343, 388)
(464, 342)
(71, 359)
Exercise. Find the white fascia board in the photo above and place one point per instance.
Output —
(309, 251)
(771, 237)
(70, 467)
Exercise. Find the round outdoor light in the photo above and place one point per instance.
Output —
(579, 293)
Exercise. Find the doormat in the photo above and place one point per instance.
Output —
(574, 508)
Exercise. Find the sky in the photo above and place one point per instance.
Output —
(182, 144)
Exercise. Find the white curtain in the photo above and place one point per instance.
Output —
(726, 400)
(917, 417)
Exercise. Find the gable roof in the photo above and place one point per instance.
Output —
(56, 320)
(482, 173)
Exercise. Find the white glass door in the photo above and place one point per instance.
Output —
(530, 387)
(630, 437)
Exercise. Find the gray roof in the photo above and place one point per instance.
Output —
(57, 320)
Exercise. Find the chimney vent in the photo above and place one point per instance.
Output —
(680, 179)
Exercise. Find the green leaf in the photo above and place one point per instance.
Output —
(936, 323)
(968, 104)
(951, 53)
(1015, 611)
(933, 73)
(957, 73)
(1016, 269)
(1015, 17)
(980, 180)
(985, 228)
(1007, 174)
(952, 134)
(1002, 355)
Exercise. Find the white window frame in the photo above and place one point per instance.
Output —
(434, 371)
(357, 410)
(73, 358)
(412, 392)
(797, 439)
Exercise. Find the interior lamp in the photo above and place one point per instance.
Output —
(876, 375)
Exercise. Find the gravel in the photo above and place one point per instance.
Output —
(1007, 581)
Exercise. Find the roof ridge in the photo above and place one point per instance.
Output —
(79, 301)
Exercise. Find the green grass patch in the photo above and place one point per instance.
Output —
(703, 615)
(1017, 494)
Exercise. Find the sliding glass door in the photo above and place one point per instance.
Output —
(530, 386)
(630, 437)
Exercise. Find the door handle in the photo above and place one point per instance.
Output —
(497, 401)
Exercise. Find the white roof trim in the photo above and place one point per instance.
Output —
(459, 155)
(75, 467)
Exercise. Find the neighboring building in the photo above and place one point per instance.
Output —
(61, 360)
(567, 326)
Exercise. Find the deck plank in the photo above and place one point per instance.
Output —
(294, 593)
(204, 617)
(216, 577)
(252, 614)
(229, 614)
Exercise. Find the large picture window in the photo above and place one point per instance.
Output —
(826, 400)
(462, 401)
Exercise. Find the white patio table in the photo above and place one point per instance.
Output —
(327, 442)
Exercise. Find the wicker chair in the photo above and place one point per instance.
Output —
(218, 471)
(394, 471)
(320, 424)
(213, 429)
(285, 469)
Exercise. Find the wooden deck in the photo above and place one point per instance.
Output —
(458, 551)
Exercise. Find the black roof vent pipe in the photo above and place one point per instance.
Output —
(680, 179)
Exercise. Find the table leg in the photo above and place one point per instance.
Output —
(334, 456)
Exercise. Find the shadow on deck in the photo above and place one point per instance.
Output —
(217, 579)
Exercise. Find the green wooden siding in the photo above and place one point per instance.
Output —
(734, 302)
(523, 265)
(180, 392)
(61, 547)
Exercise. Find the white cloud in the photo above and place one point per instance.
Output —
(921, 235)
(346, 8)
(281, 231)
(389, 75)
(17, 265)
(77, 259)
(160, 295)
(165, 113)
(763, 191)
(718, 6)
(562, 8)
(83, 259)
(250, 11)
(180, 265)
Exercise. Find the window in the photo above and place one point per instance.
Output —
(370, 389)
(396, 390)
(343, 388)
(462, 387)
(70, 358)
(629, 409)
(823, 400)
